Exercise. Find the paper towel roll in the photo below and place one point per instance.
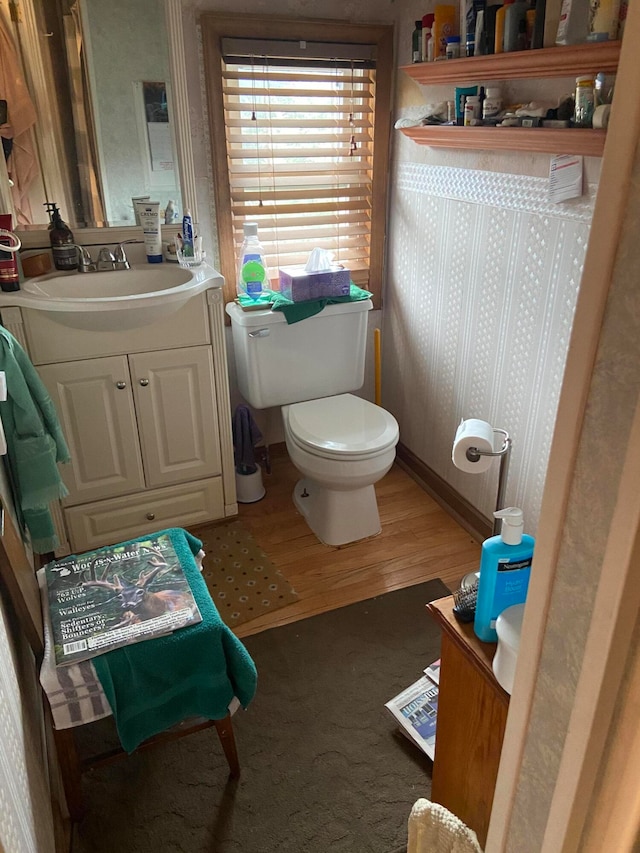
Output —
(472, 433)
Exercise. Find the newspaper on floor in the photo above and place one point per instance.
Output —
(433, 671)
(416, 710)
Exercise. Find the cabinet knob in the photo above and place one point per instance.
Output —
(144, 382)
(151, 516)
(121, 385)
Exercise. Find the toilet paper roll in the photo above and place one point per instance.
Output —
(472, 433)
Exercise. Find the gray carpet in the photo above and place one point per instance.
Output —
(323, 766)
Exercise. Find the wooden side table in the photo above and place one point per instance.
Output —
(472, 713)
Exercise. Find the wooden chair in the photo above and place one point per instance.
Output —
(20, 582)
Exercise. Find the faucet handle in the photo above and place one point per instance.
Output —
(85, 263)
(106, 259)
(121, 260)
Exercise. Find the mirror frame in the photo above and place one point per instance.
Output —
(39, 238)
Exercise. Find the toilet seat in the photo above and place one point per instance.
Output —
(343, 427)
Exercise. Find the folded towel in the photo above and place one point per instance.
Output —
(35, 443)
(294, 312)
(195, 671)
(245, 437)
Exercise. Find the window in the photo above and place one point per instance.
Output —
(299, 121)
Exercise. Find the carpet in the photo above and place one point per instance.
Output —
(323, 765)
(242, 580)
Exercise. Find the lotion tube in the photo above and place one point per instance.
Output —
(149, 213)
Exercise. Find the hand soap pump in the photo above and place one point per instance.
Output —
(505, 566)
(65, 253)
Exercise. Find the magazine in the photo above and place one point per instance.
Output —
(416, 709)
(116, 596)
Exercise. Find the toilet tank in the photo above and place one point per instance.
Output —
(279, 363)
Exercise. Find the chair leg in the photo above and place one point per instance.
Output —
(70, 771)
(225, 733)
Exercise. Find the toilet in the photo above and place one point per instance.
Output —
(341, 444)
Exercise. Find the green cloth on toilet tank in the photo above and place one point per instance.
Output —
(196, 671)
(296, 311)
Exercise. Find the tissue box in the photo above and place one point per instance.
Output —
(299, 286)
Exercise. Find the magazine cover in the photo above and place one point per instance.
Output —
(416, 709)
(115, 596)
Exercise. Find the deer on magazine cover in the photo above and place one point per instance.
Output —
(140, 604)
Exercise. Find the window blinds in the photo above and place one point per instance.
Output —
(299, 143)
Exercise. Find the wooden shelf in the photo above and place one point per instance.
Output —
(542, 140)
(546, 62)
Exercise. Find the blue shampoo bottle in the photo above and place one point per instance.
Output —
(505, 567)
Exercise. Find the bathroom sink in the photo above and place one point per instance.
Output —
(113, 300)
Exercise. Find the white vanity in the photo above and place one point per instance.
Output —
(145, 412)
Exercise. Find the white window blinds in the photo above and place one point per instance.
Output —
(300, 148)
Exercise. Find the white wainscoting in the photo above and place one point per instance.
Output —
(482, 278)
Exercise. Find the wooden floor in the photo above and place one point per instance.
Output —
(419, 541)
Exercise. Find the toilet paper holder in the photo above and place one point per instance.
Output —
(474, 454)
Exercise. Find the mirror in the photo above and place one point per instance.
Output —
(100, 79)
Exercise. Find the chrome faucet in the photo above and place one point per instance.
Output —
(107, 260)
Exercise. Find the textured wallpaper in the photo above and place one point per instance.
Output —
(482, 279)
(25, 813)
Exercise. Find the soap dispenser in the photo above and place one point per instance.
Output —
(505, 567)
(63, 247)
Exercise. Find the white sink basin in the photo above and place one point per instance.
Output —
(119, 299)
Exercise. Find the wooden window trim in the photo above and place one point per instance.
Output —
(214, 28)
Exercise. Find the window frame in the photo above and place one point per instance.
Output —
(214, 28)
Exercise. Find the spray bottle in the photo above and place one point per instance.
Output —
(505, 567)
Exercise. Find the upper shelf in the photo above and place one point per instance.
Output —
(545, 62)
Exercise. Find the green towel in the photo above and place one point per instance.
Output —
(296, 311)
(35, 443)
(195, 671)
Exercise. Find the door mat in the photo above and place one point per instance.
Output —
(242, 580)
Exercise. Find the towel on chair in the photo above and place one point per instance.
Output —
(195, 671)
(245, 437)
(35, 443)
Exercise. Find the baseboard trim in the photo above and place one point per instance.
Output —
(449, 499)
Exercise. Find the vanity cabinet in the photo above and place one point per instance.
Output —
(547, 62)
(147, 418)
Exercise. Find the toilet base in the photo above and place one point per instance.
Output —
(338, 517)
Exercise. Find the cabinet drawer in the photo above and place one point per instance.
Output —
(119, 519)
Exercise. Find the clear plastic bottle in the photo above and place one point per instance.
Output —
(253, 275)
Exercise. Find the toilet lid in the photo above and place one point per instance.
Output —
(343, 426)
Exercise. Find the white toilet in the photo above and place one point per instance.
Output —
(340, 443)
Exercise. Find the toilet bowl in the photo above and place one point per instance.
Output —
(342, 446)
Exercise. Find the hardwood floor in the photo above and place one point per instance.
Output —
(419, 541)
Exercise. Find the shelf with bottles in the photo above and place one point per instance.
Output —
(561, 61)
(543, 140)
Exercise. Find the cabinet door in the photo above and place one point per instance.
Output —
(175, 402)
(95, 406)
